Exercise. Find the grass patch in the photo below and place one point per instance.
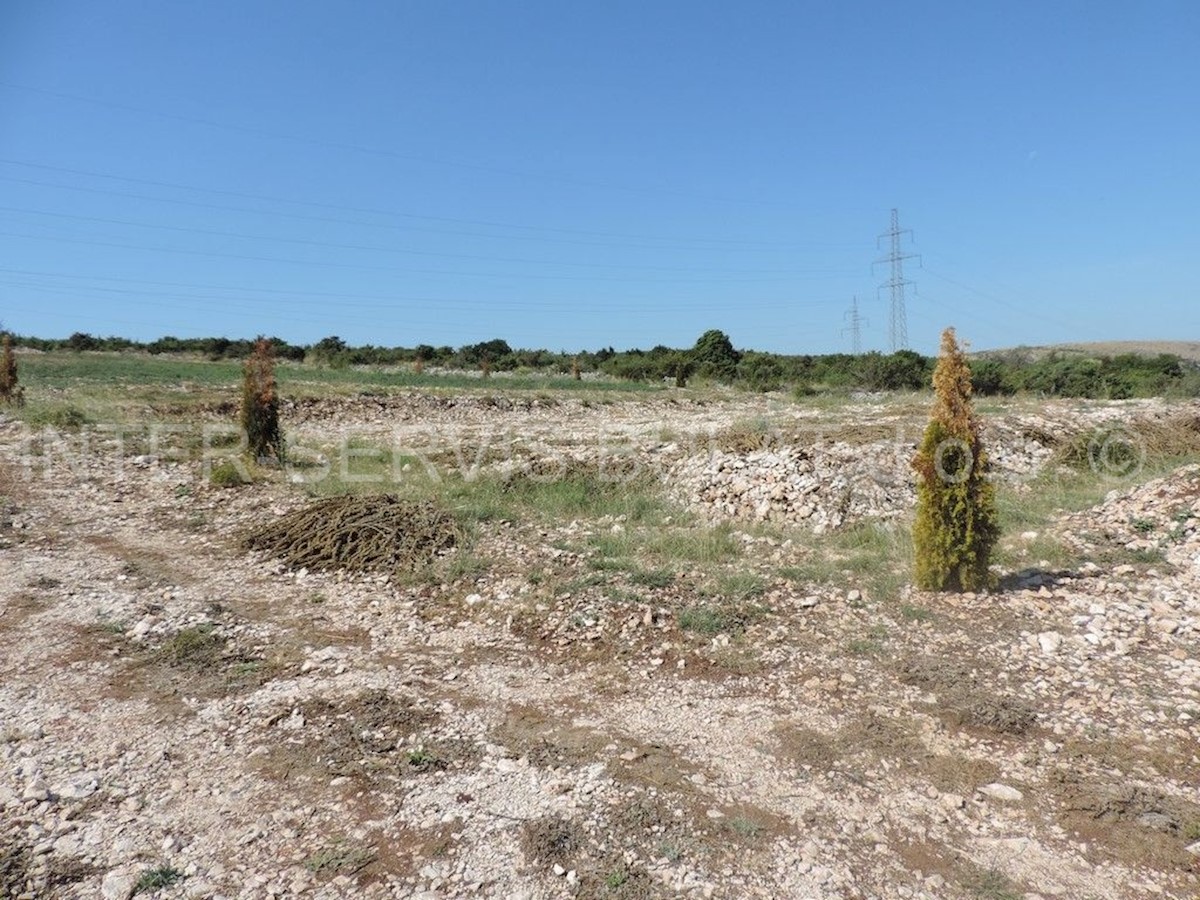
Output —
(652, 578)
(739, 587)
(705, 545)
(711, 619)
(991, 884)
(875, 557)
(340, 858)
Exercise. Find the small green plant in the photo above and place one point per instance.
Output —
(744, 827)
(424, 760)
(616, 878)
(227, 474)
(260, 405)
(1142, 526)
(157, 877)
(956, 521)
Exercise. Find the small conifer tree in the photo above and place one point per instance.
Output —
(955, 527)
(260, 405)
(10, 389)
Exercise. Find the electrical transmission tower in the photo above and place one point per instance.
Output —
(854, 329)
(898, 327)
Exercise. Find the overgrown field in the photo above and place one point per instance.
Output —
(550, 638)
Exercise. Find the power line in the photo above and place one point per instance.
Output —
(669, 244)
(377, 249)
(898, 324)
(380, 268)
(379, 211)
(376, 151)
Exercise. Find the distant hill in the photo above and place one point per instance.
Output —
(1189, 350)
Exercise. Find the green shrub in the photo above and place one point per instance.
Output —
(227, 474)
(956, 522)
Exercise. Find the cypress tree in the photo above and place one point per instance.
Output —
(10, 388)
(956, 525)
(260, 405)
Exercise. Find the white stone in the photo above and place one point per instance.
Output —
(1002, 792)
(118, 885)
(1049, 641)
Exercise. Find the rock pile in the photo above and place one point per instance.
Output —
(824, 487)
(1161, 515)
(832, 484)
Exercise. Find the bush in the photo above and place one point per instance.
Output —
(715, 357)
(760, 372)
(956, 522)
(260, 405)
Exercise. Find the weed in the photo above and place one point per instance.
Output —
(197, 647)
(706, 619)
(912, 613)
(340, 858)
(991, 884)
(424, 760)
(654, 578)
(700, 545)
(157, 877)
(863, 647)
(616, 878)
(227, 474)
(550, 839)
(740, 586)
(744, 827)
(64, 418)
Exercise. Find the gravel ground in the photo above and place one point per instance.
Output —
(179, 718)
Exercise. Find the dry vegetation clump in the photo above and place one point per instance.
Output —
(383, 534)
(964, 699)
(1120, 449)
(956, 523)
(11, 391)
(551, 839)
(260, 405)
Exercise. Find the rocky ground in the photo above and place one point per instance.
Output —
(580, 707)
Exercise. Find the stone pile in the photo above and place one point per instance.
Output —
(824, 487)
(1161, 515)
(831, 484)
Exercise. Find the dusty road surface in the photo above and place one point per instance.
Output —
(702, 676)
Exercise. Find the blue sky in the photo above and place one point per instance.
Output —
(575, 175)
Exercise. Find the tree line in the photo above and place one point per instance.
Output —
(712, 358)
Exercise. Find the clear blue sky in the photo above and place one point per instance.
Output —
(575, 175)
